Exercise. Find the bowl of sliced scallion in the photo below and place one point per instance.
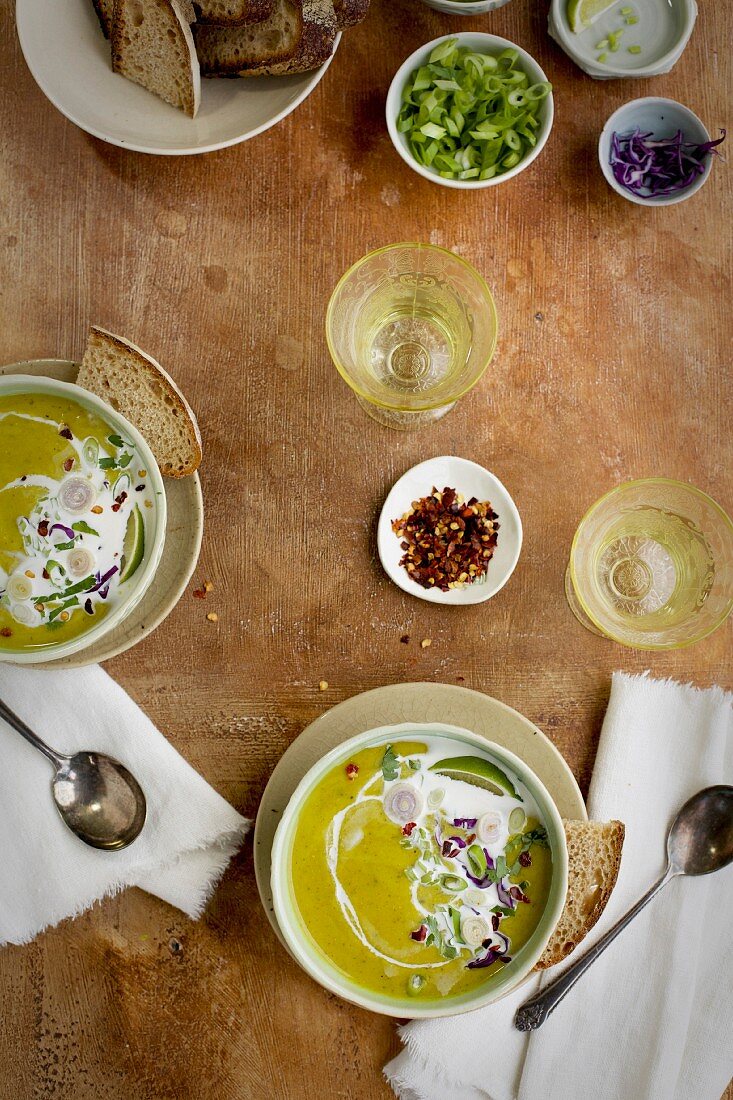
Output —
(469, 110)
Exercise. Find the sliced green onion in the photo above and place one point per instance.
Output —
(470, 116)
(453, 883)
(602, 57)
(630, 20)
(626, 11)
(634, 49)
(602, 45)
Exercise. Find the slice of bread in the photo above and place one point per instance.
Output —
(105, 10)
(136, 385)
(594, 858)
(152, 45)
(233, 13)
(297, 37)
(349, 12)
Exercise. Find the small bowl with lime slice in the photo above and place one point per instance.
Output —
(465, 7)
(611, 39)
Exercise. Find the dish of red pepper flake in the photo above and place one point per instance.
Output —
(447, 542)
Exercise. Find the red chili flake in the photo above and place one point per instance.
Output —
(121, 498)
(199, 593)
(139, 488)
(470, 838)
(420, 934)
(46, 575)
(115, 507)
(88, 607)
(68, 463)
(525, 859)
(43, 528)
(447, 542)
(6, 632)
(65, 432)
(517, 894)
(407, 829)
(352, 770)
(405, 639)
(495, 921)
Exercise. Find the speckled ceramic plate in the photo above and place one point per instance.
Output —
(182, 544)
(391, 705)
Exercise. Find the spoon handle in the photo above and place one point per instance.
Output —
(19, 725)
(533, 1013)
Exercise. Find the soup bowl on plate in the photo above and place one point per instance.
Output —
(82, 518)
(419, 870)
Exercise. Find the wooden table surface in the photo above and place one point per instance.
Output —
(613, 362)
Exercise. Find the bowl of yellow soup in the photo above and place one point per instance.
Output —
(419, 870)
(82, 518)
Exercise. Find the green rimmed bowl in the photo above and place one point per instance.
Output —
(315, 962)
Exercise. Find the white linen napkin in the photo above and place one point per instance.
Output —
(46, 873)
(653, 1018)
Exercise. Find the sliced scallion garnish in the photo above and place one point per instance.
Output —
(469, 115)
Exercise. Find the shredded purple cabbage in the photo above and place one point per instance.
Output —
(505, 898)
(486, 960)
(100, 582)
(660, 166)
(465, 822)
(60, 527)
(458, 840)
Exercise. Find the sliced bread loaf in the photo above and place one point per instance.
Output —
(136, 385)
(297, 37)
(594, 858)
(152, 45)
(233, 13)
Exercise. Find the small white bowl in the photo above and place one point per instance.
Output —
(662, 118)
(144, 576)
(465, 7)
(470, 480)
(481, 43)
(663, 29)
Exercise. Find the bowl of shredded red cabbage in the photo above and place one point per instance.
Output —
(656, 151)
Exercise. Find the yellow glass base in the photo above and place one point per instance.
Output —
(403, 421)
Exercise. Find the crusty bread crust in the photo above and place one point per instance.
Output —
(176, 11)
(349, 12)
(247, 11)
(173, 398)
(582, 910)
(105, 11)
(230, 51)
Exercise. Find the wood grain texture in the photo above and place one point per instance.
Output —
(613, 361)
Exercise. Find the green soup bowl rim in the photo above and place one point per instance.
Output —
(25, 383)
(311, 958)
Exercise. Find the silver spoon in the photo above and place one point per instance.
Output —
(96, 796)
(700, 841)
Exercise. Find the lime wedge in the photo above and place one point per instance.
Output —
(479, 772)
(133, 547)
(581, 13)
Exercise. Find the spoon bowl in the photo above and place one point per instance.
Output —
(96, 796)
(100, 800)
(701, 838)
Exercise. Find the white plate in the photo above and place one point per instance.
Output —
(469, 479)
(69, 58)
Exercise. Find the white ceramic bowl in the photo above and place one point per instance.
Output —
(481, 43)
(663, 29)
(69, 59)
(662, 118)
(144, 575)
(469, 479)
(314, 962)
(470, 7)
